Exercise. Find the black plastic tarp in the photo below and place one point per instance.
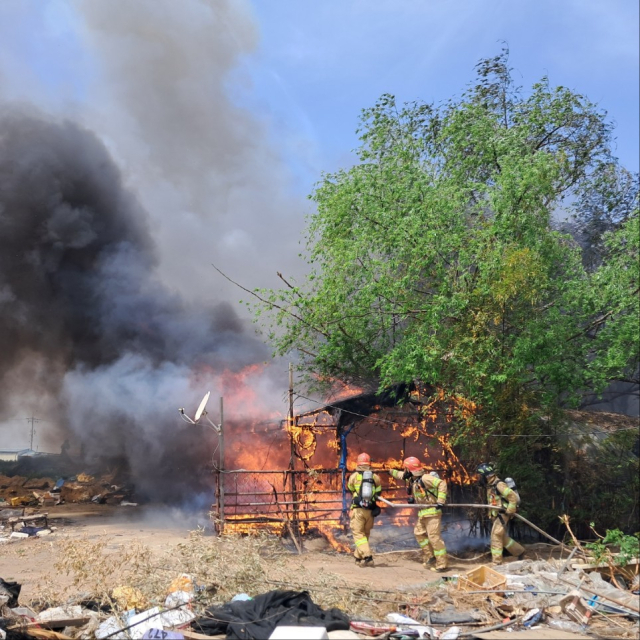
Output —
(12, 590)
(257, 618)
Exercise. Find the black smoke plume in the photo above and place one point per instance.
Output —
(116, 349)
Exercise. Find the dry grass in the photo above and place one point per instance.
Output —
(84, 568)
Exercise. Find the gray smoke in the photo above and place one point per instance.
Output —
(132, 168)
(170, 96)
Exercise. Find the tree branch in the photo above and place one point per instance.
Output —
(269, 303)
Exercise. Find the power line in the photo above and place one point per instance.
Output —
(32, 420)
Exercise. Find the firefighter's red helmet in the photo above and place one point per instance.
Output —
(412, 464)
(364, 458)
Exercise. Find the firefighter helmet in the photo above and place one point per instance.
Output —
(364, 458)
(412, 464)
(486, 469)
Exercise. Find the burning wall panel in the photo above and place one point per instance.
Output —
(320, 451)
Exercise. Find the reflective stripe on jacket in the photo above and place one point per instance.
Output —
(427, 490)
(500, 495)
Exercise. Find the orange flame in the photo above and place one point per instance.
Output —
(318, 506)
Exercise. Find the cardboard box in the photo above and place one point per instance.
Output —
(482, 579)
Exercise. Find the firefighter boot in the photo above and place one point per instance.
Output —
(367, 562)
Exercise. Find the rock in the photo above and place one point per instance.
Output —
(316, 544)
(55, 613)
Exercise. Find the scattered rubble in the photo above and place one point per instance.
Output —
(206, 585)
(528, 599)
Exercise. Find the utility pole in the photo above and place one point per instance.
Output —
(32, 420)
(221, 469)
(292, 462)
(291, 421)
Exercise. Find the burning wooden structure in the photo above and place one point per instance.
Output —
(310, 493)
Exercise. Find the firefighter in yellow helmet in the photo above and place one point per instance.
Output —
(505, 500)
(428, 489)
(364, 486)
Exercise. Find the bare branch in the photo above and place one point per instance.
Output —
(269, 303)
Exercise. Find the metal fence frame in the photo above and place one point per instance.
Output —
(300, 499)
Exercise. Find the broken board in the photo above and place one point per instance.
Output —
(532, 634)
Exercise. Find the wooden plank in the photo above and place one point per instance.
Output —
(531, 634)
(46, 634)
(192, 635)
(61, 623)
(38, 516)
(602, 565)
(51, 624)
(24, 519)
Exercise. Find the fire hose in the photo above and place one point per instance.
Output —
(406, 505)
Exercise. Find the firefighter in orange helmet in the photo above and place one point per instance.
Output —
(428, 489)
(364, 486)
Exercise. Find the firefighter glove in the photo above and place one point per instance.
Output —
(439, 507)
(407, 474)
(411, 500)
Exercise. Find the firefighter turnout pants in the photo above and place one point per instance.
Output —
(500, 539)
(361, 524)
(428, 534)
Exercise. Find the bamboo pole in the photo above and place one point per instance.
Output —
(292, 462)
(285, 519)
(221, 466)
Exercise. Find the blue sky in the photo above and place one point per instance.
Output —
(319, 63)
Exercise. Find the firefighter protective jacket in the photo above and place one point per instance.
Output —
(355, 482)
(426, 489)
(500, 495)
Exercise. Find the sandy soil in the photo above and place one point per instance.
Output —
(161, 529)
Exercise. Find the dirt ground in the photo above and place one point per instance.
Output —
(162, 529)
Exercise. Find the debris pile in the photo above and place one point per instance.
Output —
(125, 617)
(16, 525)
(528, 599)
(19, 491)
(523, 599)
(253, 587)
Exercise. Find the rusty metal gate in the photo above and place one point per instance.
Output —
(300, 500)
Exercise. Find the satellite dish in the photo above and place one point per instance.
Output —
(202, 406)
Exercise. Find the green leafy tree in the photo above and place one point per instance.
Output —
(608, 201)
(435, 258)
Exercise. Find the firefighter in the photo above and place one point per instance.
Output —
(430, 490)
(365, 488)
(499, 495)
